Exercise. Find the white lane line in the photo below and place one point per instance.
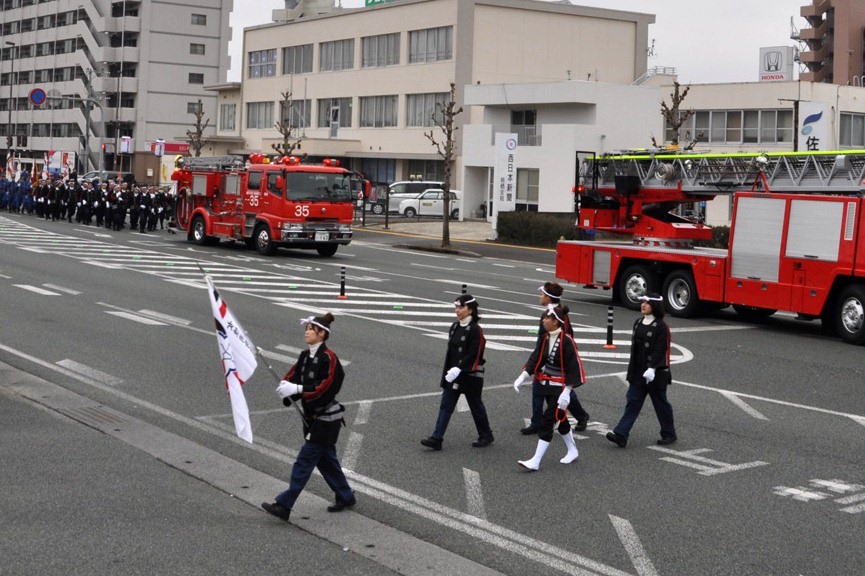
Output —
(462, 404)
(36, 289)
(165, 317)
(297, 351)
(363, 410)
(474, 494)
(711, 328)
(62, 289)
(136, 318)
(858, 419)
(743, 405)
(633, 547)
(351, 452)
(89, 372)
(287, 360)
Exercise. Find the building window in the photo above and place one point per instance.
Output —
(852, 131)
(430, 45)
(379, 51)
(297, 59)
(262, 63)
(227, 114)
(378, 111)
(196, 78)
(337, 55)
(259, 115)
(197, 49)
(527, 189)
(192, 107)
(425, 109)
(334, 110)
(199, 19)
(736, 127)
(433, 170)
(524, 125)
(295, 113)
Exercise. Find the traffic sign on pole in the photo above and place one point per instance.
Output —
(38, 96)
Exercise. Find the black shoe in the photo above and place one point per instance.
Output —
(617, 439)
(529, 430)
(276, 509)
(340, 506)
(483, 442)
(582, 424)
(666, 440)
(431, 442)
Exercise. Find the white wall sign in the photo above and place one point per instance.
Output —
(814, 131)
(504, 175)
(776, 64)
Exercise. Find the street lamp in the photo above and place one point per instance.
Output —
(9, 126)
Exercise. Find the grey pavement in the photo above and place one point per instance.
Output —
(90, 490)
(469, 229)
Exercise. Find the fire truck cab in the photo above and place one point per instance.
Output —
(267, 204)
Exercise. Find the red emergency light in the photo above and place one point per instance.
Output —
(330, 162)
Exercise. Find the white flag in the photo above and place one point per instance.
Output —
(238, 359)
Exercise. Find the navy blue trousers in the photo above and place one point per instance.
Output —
(324, 458)
(635, 397)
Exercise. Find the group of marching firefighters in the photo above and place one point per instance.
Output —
(554, 368)
(108, 202)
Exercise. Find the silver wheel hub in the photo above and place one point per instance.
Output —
(852, 315)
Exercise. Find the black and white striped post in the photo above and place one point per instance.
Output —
(464, 288)
(342, 283)
(609, 343)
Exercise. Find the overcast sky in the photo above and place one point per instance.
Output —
(704, 41)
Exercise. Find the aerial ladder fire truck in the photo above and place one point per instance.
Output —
(797, 235)
(267, 203)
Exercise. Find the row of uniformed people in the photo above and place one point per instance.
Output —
(109, 202)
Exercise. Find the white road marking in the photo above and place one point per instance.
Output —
(136, 318)
(633, 547)
(706, 466)
(36, 289)
(91, 373)
(474, 494)
(62, 289)
(166, 317)
(363, 410)
(741, 404)
(351, 452)
(462, 404)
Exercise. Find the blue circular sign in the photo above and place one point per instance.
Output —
(38, 97)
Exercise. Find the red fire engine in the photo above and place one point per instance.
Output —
(267, 204)
(797, 236)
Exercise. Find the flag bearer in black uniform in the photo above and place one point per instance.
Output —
(315, 380)
(463, 373)
(557, 367)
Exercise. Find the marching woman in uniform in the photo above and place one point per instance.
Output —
(463, 374)
(315, 380)
(556, 365)
(648, 373)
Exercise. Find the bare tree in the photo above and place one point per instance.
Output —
(443, 119)
(290, 137)
(674, 116)
(196, 135)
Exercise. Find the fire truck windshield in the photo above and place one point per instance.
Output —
(317, 186)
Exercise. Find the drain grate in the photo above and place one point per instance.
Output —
(96, 416)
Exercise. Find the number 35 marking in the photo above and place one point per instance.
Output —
(301, 211)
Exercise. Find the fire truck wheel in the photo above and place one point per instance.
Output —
(263, 240)
(327, 250)
(680, 294)
(634, 282)
(198, 231)
(850, 315)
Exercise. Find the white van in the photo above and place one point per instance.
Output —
(429, 203)
(399, 191)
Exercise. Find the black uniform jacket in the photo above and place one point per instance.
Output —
(561, 365)
(321, 376)
(650, 348)
(465, 351)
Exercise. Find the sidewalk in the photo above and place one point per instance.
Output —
(470, 229)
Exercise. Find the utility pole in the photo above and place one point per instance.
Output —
(9, 130)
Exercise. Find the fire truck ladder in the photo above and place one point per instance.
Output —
(837, 172)
(212, 163)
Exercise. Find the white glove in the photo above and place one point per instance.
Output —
(287, 389)
(649, 374)
(564, 399)
(520, 379)
(452, 374)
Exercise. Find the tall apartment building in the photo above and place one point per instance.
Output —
(835, 40)
(366, 82)
(119, 74)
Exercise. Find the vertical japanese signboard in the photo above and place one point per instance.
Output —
(504, 175)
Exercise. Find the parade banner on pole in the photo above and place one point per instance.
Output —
(238, 359)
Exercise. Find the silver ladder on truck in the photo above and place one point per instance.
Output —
(836, 172)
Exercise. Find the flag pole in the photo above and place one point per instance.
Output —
(260, 354)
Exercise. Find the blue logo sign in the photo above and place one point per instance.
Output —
(807, 124)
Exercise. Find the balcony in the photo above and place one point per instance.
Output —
(527, 135)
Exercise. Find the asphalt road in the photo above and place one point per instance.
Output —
(767, 477)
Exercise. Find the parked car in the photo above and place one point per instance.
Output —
(399, 191)
(429, 203)
(96, 177)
